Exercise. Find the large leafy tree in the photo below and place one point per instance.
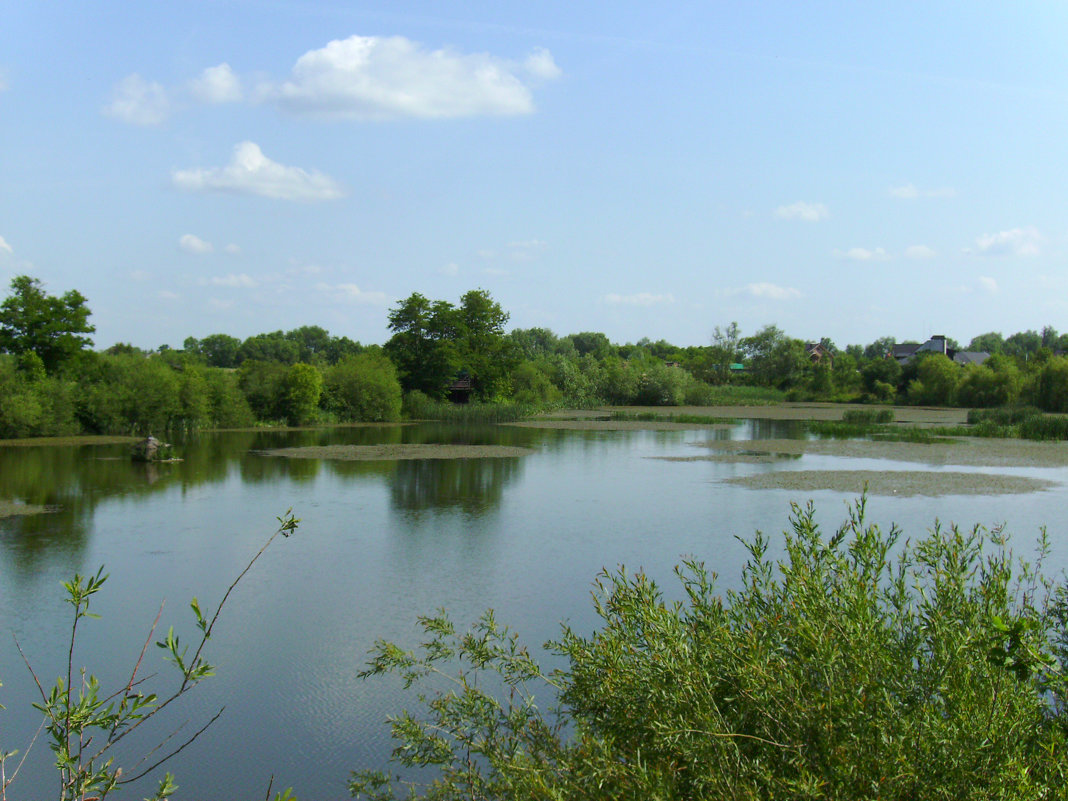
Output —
(434, 342)
(53, 327)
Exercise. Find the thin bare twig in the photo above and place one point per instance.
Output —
(174, 753)
(29, 667)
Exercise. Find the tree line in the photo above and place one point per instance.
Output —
(53, 383)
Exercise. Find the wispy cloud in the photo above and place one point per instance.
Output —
(864, 254)
(988, 284)
(452, 268)
(540, 64)
(525, 250)
(232, 249)
(4, 246)
(191, 243)
(234, 280)
(911, 192)
(251, 172)
(807, 212)
(769, 291)
(217, 85)
(139, 102)
(638, 299)
(372, 77)
(352, 293)
(919, 252)
(166, 294)
(1014, 242)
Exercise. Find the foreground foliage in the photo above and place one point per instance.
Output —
(857, 666)
(85, 725)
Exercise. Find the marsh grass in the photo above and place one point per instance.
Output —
(467, 413)
(868, 416)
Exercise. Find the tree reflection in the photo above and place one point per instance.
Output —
(473, 485)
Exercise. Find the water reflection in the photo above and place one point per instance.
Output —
(73, 480)
(472, 485)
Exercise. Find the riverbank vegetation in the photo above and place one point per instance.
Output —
(456, 362)
(857, 665)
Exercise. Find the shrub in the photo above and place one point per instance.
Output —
(363, 388)
(855, 666)
(868, 416)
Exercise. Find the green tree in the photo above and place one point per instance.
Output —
(423, 344)
(435, 342)
(484, 352)
(301, 387)
(217, 350)
(990, 342)
(880, 348)
(1023, 344)
(54, 328)
(936, 382)
(592, 343)
(363, 387)
(774, 359)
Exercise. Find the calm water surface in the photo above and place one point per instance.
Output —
(379, 544)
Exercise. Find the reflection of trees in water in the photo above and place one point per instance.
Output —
(775, 429)
(473, 485)
(71, 481)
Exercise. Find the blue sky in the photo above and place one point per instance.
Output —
(850, 170)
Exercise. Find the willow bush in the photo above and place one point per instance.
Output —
(857, 665)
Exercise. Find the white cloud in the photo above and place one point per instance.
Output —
(251, 172)
(540, 64)
(370, 77)
(906, 192)
(525, 250)
(911, 192)
(219, 305)
(165, 294)
(863, 254)
(988, 284)
(352, 292)
(191, 243)
(232, 249)
(808, 212)
(232, 280)
(136, 101)
(1014, 242)
(771, 291)
(140, 275)
(638, 299)
(452, 268)
(919, 252)
(4, 246)
(217, 85)
(495, 271)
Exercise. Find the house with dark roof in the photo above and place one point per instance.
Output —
(937, 344)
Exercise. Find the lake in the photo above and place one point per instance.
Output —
(380, 543)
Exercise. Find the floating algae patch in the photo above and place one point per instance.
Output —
(371, 453)
(969, 451)
(893, 482)
(12, 509)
